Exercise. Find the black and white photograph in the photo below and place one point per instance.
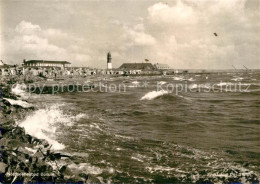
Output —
(130, 91)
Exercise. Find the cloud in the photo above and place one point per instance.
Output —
(179, 33)
(140, 38)
(185, 37)
(30, 41)
(178, 14)
(27, 28)
(54, 33)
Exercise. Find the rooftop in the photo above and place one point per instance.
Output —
(46, 61)
(137, 66)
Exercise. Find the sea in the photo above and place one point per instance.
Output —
(164, 129)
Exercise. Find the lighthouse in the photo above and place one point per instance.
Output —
(109, 61)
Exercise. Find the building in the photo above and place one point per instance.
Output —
(161, 66)
(44, 63)
(137, 66)
(109, 61)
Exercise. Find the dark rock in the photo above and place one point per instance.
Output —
(15, 158)
(84, 176)
(6, 128)
(62, 169)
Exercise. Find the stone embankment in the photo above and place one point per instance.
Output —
(25, 158)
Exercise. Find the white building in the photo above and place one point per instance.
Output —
(161, 66)
(42, 63)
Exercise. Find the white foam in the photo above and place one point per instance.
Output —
(193, 86)
(153, 94)
(80, 116)
(237, 79)
(19, 102)
(86, 167)
(159, 168)
(94, 125)
(139, 157)
(124, 137)
(162, 82)
(44, 122)
(190, 79)
(18, 89)
(135, 82)
(224, 84)
(178, 78)
(135, 158)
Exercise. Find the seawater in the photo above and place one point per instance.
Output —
(147, 135)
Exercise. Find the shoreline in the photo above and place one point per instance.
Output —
(26, 158)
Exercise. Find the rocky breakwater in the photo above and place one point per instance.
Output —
(25, 158)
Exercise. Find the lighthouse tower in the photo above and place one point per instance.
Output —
(109, 61)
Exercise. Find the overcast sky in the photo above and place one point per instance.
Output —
(177, 32)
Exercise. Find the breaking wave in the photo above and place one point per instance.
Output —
(43, 124)
(153, 94)
(20, 90)
(195, 86)
(162, 82)
(19, 103)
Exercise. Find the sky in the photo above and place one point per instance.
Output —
(179, 33)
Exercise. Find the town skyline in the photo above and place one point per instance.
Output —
(177, 33)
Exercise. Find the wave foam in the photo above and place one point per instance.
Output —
(193, 86)
(19, 89)
(153, 94)
(86, 167)
(135, 82)
(190, 79)
(19, 102)
(178, 78)
(224, 84)
(237, 79)
(162, 82)
(44, 122)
